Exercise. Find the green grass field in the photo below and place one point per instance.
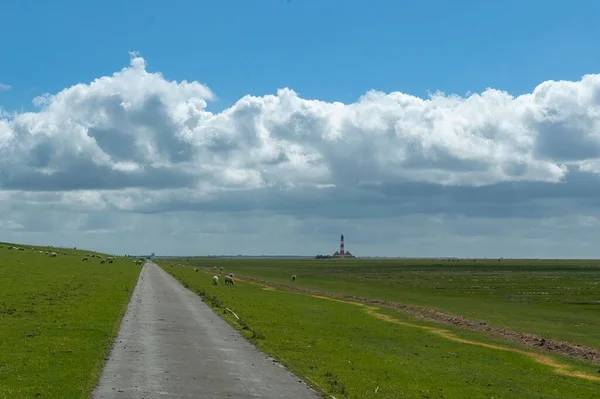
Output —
(345, 350)
(554, 299)
(58, 317)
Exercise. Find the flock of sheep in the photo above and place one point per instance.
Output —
(102, 260)
(215, 280)
(17, 248)
(229, 277)
(53, 254)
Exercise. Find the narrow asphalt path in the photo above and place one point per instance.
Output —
(172, 345)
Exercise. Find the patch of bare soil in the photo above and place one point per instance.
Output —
(579, 352)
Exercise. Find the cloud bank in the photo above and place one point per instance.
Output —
(136, 154)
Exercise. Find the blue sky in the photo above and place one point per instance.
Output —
(208, 135)
(325, 49)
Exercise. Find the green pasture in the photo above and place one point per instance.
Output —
(557, 299)
(58, 317)
(342, 350)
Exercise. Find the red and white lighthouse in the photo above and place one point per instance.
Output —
(342, 253)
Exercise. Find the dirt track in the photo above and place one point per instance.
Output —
(579, 352)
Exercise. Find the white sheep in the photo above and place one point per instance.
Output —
(293, 277)
(215, 280)
(195, 269)
(230, 274)
(229, 280)
(84, 259)
(53, 254)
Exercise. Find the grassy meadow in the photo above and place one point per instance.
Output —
(358, 351)
(553, 298)
(58, 317)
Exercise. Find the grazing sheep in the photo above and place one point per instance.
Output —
(195, 269)
(215, 280)
(229, 280)
(110, 261)
(102, 261)
(85, 258)
(293, 277)
(230, 274)
(221, 268)
(53, 254)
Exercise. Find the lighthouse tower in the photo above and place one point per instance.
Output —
(342, 253)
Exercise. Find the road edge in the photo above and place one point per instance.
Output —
(317, 390)
(115, 331)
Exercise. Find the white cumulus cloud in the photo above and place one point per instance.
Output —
(136, 145)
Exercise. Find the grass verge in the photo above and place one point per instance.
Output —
(58, 318)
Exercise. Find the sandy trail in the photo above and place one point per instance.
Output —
(172, 345)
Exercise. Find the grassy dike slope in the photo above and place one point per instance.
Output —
(58, 317)
(344, 350)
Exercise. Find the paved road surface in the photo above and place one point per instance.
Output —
(172, 345)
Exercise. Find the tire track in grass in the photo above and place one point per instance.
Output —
(574, 351)
(559, 368)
